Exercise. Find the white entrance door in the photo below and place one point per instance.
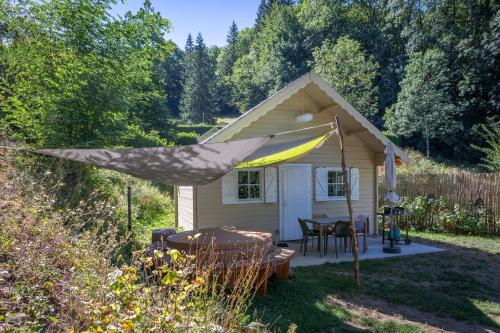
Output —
(295, 198)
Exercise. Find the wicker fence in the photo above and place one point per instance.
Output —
(463, 189)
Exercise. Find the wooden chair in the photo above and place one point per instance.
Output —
(306, 233)
(342, 229)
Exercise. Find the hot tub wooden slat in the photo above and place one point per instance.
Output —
(222, 239)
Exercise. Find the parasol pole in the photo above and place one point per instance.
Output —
(391, 228)
(390, 178)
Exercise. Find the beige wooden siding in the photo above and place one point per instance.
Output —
(185, 207)
(212, 213)
(265, 216)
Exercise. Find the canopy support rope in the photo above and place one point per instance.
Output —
(305, 129)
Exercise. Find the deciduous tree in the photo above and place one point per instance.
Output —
(79, 77)
(346, 67)
(424, 106)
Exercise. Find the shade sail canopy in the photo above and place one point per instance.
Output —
(185, 165)
(282, 152)
(390, 174)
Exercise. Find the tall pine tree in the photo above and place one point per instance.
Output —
(198, 98)
(225, 63)
(173, 71)
(189, 43)
(229, 54)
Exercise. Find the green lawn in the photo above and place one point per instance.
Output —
(457, 290)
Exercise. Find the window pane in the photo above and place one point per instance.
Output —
(340, 190)
(242, 177)
(254, 177)
(340, 177)
(254, 191)
(330, 177)
(243, 192)
(331, 191)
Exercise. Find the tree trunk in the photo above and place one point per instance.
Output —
(427, 144)
(347, 185)
(427, 148)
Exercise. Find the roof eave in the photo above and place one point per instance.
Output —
(263, 107)
(333, 94)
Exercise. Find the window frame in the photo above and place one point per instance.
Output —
(334, 197)
(261, 186)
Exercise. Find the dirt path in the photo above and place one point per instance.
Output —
(368, 307)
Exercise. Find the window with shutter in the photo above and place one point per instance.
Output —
(330, 184)
(336, 185)
(249, 185)
(242, 186)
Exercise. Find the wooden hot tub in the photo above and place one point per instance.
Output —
(232, 245)
(224, 241)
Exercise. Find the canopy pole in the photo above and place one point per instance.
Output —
(349, 204)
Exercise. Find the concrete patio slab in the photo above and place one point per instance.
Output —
(374, 252)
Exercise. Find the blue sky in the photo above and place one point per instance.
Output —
(211, 18)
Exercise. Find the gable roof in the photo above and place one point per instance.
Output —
(310, 79)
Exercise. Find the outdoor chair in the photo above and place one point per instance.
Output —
(306, 233)
(342, 230)
(362, 229)
(317, 227)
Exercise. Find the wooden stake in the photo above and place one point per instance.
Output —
(129, 208)
(349, 204)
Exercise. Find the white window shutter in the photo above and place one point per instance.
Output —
(271, 185)
(229, 188)
(354, 179)
(321, 184)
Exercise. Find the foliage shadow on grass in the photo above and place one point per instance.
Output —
(447, 285)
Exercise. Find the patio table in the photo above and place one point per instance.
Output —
(331, 220)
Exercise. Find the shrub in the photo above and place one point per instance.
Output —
(50, 269)
(57, 272)
(182, 296)
(491, 136)
(186, 138)
(199, 129)
(426, 211)
(420, 164)
(136, 137)
(434, 214)
(94, 194)
(152, 208)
